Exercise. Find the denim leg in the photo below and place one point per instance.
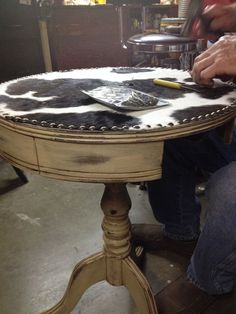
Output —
(173, 198)
(213, 264)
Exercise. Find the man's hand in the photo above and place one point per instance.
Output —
(219, 59)
(217, 18)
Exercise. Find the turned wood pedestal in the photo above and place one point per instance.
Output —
(113, 264)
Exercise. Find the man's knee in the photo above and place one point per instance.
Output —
(222, 189)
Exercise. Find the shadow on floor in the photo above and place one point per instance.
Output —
(9, 185)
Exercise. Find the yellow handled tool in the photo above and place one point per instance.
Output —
(167, 84)
(174, 85)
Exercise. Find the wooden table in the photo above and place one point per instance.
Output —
(49, 127)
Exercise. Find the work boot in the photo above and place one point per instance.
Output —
(182, 297)
(152, 238)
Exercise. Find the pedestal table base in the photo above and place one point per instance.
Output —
(113, 264)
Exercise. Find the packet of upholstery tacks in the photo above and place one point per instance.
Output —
(124, 98)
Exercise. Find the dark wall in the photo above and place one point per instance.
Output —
(20, 45)
(79, 36)
(85, 37)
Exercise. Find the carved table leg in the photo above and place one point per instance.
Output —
(113, 264)
(84, 275)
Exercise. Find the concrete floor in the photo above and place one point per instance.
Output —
(46, 227)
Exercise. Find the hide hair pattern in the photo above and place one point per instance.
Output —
(55, 100)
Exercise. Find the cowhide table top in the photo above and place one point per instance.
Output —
(55, 100)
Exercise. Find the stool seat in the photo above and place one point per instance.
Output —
(163, 43)
(162, 46)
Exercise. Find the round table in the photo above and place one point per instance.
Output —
(48, 126)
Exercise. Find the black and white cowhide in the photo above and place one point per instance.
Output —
(55, 99)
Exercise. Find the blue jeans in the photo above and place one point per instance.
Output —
(172, 198)
(175, 205)
(213, 264)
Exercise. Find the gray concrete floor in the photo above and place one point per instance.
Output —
(46, 227)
